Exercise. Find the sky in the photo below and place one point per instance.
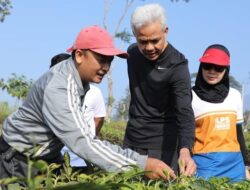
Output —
(37, 30)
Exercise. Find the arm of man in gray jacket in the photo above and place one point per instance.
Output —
(62, 113)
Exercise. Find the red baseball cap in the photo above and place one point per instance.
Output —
(98, 40)
(215, 56)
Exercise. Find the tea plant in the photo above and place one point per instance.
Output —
(63, 177)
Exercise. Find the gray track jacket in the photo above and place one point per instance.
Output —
(51, 116)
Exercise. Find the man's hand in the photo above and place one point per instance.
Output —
(186, 163)
(157, 169)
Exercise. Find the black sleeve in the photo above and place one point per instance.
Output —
(183, 107)
(241, 141)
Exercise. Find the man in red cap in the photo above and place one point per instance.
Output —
(51, 116)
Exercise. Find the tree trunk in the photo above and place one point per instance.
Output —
(110, 96)
(107, 7)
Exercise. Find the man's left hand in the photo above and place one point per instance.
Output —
(186, 163)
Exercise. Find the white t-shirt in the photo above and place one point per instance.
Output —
(93, 106)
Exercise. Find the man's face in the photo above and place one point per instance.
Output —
(151, 40)
(92, 66)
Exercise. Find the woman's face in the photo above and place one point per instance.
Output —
(212, 74)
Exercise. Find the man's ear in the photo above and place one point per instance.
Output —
(78, 56)
(166, 30)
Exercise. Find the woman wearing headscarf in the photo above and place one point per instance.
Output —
(219, 142)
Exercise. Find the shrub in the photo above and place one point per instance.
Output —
(133, 179)
(68, 179)
(113, 132)
(5, 110)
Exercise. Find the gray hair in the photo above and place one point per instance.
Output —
(148, 14)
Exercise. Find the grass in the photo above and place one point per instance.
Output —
(113, 132)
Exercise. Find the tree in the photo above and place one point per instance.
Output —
(17, 86)
(122, 107)
(5, 110)
(247, 120)
(125, 37)
(235, 84)
(5, 6)
(193, 77)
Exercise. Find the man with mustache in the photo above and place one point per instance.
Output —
(161, 119)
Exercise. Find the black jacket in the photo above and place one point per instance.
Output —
(160, 112)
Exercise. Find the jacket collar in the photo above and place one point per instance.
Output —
(83, 86)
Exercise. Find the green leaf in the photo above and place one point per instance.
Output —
(9, 180)
(66, 159)
(14, 186)
(41, 165)
(54, 166)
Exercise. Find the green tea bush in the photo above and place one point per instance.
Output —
(68, 179)
(113, 132)
(5, 110)
(94, 178)
(247, 139)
